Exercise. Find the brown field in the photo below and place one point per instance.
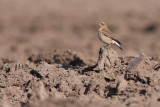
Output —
(48, 49)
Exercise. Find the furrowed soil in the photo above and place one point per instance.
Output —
(50, 54)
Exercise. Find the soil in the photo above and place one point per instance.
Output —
(51, 56)
(54, 80)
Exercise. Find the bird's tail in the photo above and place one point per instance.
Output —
(116, 42)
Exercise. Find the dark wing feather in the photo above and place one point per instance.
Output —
(110, 35)
(117, 41)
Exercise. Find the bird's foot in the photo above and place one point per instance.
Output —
(107, 47)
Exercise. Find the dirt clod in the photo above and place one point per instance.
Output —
(107, 58)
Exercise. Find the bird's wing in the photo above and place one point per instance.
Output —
(110, 35)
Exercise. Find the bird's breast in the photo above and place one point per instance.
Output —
(104, 38)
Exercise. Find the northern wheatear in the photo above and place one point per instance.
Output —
(106, 36)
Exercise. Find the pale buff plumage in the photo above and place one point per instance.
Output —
(106, 36)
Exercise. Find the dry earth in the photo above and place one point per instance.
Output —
(50, 54)
(65, 79)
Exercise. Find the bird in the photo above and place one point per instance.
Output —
(106, 36)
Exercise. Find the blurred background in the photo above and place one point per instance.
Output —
(39, 26)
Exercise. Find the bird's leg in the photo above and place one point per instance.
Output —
(106, 46)
(109, 46)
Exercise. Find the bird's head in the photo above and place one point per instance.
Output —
(101, 24)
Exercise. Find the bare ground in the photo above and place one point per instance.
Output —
(51, 56)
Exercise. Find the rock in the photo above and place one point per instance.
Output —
(121, 85)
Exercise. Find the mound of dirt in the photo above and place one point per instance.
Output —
(61, 57)
(43, 81)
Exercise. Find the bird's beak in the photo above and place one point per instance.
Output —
(97, 25)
